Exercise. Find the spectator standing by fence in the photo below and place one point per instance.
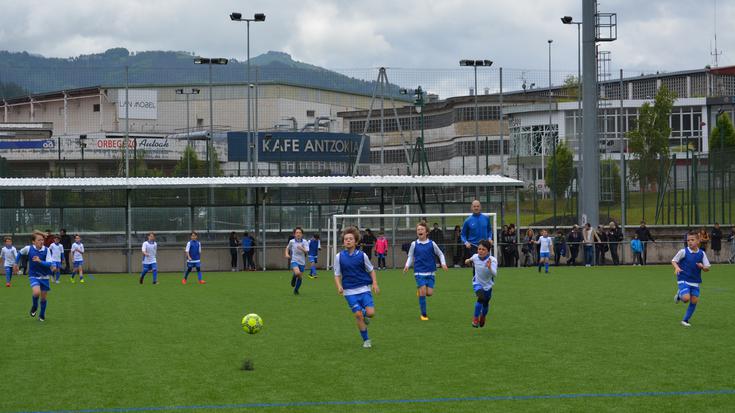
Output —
(248, 251)
(703, 239)
(457, 247)
(528, 248)
(645, 236)
(509, 247)
(574, 240)
(601, 244)
(234, 243)
(560, 247)
(589, 237)
(66, 243)
(636, 246)
(614, 238)
(367, 243)
(731, 238)
(716, 242)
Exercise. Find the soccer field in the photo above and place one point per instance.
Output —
(594, 339)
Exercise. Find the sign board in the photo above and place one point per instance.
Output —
(299, 146)
(143, 103)
(28, 144)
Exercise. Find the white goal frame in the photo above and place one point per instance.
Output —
(333, 235)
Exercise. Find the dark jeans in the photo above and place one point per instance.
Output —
(588, 254)
(600, 250)
(247, 260)
(67, 268)
(637, 258)
(557, 254)
(573, 251)
(645, 252)
(614, 253)
(233, 258)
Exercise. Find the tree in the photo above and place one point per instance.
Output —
(561, 169)
(217, 168)
(571, 87)
(722, 142)
(649, 142)
(193, 166)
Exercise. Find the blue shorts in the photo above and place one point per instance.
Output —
(545, 254)
(57, 264)
(425, 280)
(297, 265)
(78, 264)
(685, 289)
(8, 271)
(478, 287)
(43, 283)
(359, 302)
(150, 267)
(313, 259)
(190, 265)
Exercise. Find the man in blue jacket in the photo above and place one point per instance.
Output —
(476, 227)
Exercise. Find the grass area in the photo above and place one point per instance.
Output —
(113, 343)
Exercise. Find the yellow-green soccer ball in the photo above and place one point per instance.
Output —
(252, 323)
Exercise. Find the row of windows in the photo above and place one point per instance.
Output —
(434, 121)
(442, 153)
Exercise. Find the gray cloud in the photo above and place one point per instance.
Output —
(666, 34)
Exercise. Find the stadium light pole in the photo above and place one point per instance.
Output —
(475, 64)
(192, 91)
(257, 17)
(553, 143)
(577, 129)
(209, 62)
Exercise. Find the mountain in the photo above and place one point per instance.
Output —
(22, 73)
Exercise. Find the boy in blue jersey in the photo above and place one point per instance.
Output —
(546, 246)
(485, 267)
(149, 249)
(688, 264)
(296, 252)
(7, 255)
(40, 268)
(422, 254)
(57, 256)
(354, 276)
(77, 252)
(193, 258)
(315, 245)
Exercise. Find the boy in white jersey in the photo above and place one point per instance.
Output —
(57, 256)
(150, 249)
(485, 267)
(422, 254)
(77, 254)
(296, 252)
(8, 254)
(546, 246)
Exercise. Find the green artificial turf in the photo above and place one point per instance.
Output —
(112, 343)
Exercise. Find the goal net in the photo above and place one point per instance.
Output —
(400, 231)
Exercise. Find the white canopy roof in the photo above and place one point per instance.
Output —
(260, 182)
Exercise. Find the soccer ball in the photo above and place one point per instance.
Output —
(252, 323)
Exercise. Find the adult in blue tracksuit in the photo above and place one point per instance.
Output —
(476, 227)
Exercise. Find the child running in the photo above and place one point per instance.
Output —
(57, 256)
(315, 245)
(193, 258)
(77, 253)
(688, 264)
(354, 276)
(39, 272)
(296, 252)
(422, 254)
(150, 248)
(381, 249)
(485, 268)
(546, 245)
(8, 254)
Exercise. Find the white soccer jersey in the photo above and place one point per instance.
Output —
(484, 276)
(77, 251)
(545, 244)
(8, 255)
(56, 251)
(149, 248)
(297, 254)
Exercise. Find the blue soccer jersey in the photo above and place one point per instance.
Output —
(355, 271)
(194, 249)
(314, 246)
(422, 254)
(687, 260)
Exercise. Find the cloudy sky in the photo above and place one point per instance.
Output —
(652, 35)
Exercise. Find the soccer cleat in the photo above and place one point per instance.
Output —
(81, 280)
(677, 298)
(155, 282)
(475, 322)
(41, 318)
(685, 323)
(33, 312)
(7, 285)
(295, 292)
(72, 280)
(57, 281)
(482, 321)
(424, 318)
(539, 269)
(202, 282)
(141, 280)
(367, 344)
(293, 281)
(183, 281)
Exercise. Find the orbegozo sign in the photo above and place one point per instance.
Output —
(299, 146)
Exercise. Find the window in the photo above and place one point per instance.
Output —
(96, 107)
(310, 113)
(200, 122)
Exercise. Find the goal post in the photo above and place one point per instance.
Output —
(337, 223)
